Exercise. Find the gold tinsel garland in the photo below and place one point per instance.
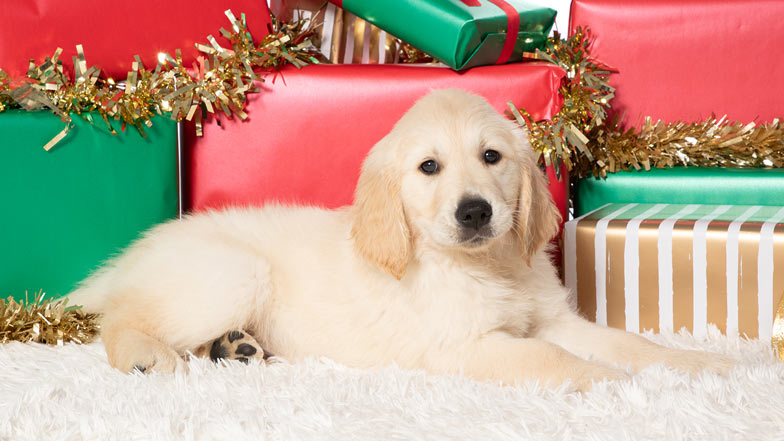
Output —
(710, 143)
(220, 80)
(580, 137)
(586, 95)
(45, 321)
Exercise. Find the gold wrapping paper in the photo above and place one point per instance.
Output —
(344, 38)
(668, 266)
(777, 340)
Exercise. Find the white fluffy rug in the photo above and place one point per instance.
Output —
(71, 393)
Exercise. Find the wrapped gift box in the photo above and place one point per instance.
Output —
(342, 37)
(685, 60)
(672, 266)
(113, 33)
(67, 210)
(305, 138)
(682, 185)
(461, 33)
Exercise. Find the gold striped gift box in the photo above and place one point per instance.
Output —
(667, 267)
(344, 38)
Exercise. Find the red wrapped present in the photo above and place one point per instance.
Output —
(112, 33)
(685, 60)
(305, 138)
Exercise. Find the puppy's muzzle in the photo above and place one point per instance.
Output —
(473, 214)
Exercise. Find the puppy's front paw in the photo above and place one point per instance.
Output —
(163, 362)
(237, 345)
(132, 351)
(696, 361)
(592, 373)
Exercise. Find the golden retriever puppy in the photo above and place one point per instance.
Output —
(439, 265)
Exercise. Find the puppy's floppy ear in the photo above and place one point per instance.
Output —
(537, 216)
(380, 231)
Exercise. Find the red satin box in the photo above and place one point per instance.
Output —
(306, 137)
(113, 32)
(686, 59)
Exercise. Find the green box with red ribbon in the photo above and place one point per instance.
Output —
(461, 33)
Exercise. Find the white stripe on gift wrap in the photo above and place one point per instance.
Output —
(600, 262)
(631, 268)
(733, 234)
(570, 254)
(366, 44)
(765, 276)
(664, 248)
(348, 56)
(382, 47)
(699, 252)
(327, 29)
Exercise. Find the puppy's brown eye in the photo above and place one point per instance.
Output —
(429, 167)
(492, 156)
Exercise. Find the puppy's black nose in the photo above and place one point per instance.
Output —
(473, 213)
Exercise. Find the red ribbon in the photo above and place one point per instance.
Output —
(512, 26)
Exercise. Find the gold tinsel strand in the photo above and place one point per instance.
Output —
(45, 321)
(586, 95)
(408, 54)
(710, 143)
(219, 81)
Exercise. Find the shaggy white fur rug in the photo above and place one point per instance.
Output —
(71, 393)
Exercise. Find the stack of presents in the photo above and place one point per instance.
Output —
(662, 249)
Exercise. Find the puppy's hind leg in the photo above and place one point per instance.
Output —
(234, 345)
(164, 306)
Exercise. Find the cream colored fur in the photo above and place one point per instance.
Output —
(384, 281)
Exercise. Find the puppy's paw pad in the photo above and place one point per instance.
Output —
(234, 335)
(245, 349)
(237, 345)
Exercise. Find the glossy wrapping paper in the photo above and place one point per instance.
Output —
(348, 39)
(461, 33)
(344, 38)
(683, 185)
(673, 266)
(686, 59)
(67, 210)
(112, 33)
(305, 138)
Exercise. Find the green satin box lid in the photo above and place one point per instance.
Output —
(65, 211)
(461, 34)
(683, 185)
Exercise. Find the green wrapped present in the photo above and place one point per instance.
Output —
(67, 210)
(683, 185)
(461, 33)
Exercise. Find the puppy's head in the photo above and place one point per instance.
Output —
(455, 175)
